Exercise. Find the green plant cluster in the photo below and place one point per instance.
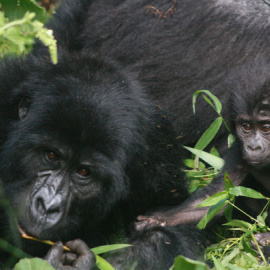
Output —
(21, 22)
(235, 251)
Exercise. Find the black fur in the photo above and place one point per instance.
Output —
(195, 49)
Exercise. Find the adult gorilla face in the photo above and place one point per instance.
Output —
(63, 163)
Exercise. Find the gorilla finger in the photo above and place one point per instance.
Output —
(141, 218)
(55, 255)
(69, 258)
(86, 258)
(141, 225)
(79, 247)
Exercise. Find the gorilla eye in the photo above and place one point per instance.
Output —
(246, 126)
(52, 157)
(84, 172)
(265, 128)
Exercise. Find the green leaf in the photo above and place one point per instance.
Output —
(228, 182)
(261, 221)
(102, 264)
(228, 213)
(209, 134)
(214, 152)
(108, 248)
(217, 107)
(182, 263)
(33, 264)
(190, 163)
(265, 215)
(231, 140)
(233, 267)
(6, 246)
(15, 9)
(218, 265)
(214, 161)
(246, 245)
(213, 210)
(246, 192)
(214, 199)
(239, 224)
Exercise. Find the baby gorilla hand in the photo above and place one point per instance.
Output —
(148, 222)
(79, 258)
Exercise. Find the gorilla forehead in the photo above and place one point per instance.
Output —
(250, 90)
(111, 113)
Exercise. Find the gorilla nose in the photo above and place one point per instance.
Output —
(47, 207)
(254, 147)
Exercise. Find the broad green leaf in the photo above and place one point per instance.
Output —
(214, 199)
(217, 107)
(33, 264)
(15, 9)
(239, 224)
(214, 161)
(246, 192)
(108, 248)
(182, 263)
(102, 264)
(214, 152)
(228, 182)
(218, 265)
(213, 210)
(209, 134)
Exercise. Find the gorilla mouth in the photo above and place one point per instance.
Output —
(26, 235)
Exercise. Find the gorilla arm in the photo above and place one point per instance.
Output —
(187, 212)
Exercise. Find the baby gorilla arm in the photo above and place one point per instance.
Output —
(187, 212)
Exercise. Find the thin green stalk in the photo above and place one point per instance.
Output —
(258, 248)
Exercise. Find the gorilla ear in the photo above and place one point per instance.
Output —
(24, 107)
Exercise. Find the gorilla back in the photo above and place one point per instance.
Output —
(194, 49)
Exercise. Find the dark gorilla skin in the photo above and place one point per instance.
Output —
(88, 144)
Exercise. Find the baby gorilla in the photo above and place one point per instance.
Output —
(247, 161)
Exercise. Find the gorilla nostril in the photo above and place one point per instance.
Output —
(254, 147)
(40, 206)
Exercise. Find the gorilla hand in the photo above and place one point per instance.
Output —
(79, 258)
